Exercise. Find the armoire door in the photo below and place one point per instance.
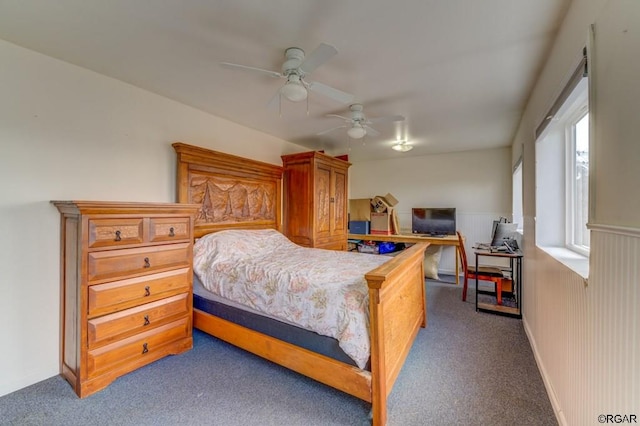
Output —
(338, 202)
(324, 194)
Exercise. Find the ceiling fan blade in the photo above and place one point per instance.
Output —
(330, 130)
(319, 56)
(330, 92)
(386, 118)
(371, 131)
(274, 74)
(338, 116)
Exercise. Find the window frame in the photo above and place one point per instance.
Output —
(579, 112)
(551, 169)
(517, 193)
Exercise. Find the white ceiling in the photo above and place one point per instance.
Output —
(460, 71)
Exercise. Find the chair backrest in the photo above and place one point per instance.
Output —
(463, 254)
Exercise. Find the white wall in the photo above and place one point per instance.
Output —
(585, 334)
(476, 183)
(68, 133)
(617, 89)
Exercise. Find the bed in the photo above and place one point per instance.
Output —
(237, 194)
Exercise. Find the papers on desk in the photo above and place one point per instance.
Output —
(500, 249)
(504, 248)
(482, 246)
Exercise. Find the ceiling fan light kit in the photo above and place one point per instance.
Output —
(402, 146)
(357, 131)
(294, 90)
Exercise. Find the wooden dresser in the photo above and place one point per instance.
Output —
(126, 281)
(315, 200)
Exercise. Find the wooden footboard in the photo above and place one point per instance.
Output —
(397, 310)
(397, 307)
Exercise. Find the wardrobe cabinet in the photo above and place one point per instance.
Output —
(315, 200)
(126, 284)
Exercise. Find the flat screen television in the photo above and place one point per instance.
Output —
(433, 221)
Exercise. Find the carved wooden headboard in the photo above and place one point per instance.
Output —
(233, 192)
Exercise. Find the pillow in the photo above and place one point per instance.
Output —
(238, 244)
(431, 261)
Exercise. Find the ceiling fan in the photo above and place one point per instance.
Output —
(358, 123)
(295, 68)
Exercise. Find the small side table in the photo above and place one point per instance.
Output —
(515, 267)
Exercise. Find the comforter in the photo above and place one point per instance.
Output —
(320, 290)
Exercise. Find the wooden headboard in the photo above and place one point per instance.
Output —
(233, 192)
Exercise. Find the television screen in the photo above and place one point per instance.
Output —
(433, 221)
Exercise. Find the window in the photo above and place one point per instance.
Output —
(562, 170)
(517, 195)
(578, 183)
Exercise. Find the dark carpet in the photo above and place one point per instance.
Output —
(465, 368)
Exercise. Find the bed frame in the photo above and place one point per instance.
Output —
(239, 193)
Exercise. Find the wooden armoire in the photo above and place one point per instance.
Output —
(315, 200)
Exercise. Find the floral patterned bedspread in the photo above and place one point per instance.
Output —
(320, 290)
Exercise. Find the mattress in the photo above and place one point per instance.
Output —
(228, 310)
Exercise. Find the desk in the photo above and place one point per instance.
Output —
(515, 266)
(448, 240)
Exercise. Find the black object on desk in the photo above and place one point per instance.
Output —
(515, 268)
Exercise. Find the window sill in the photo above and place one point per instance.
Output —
(572, 260)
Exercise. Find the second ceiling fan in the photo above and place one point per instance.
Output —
(358, 124)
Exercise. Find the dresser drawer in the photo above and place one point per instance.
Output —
(169, 229)
(113, 264)
(110, 297)
(136, 320)
(136, 347)
(115, 232)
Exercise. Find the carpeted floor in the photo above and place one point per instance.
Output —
(465, 368)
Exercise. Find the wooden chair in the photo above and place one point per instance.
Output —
(485, 273)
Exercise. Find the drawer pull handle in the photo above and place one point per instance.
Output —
(145, 349)
(146, 320)
(147, 263)
(118, 237)
(147, 291)
(171, 232)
